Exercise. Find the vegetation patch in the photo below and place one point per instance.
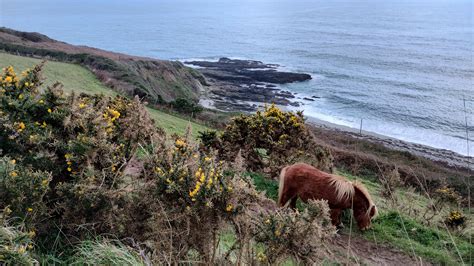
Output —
(413, 237)
(268, 140)
(77, 79)
(75, 168)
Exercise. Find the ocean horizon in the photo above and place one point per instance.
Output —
(404, 67)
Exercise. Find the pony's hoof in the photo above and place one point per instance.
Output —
(340, 226)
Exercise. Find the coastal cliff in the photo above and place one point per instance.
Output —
(155, 80)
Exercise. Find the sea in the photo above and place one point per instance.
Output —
(403, 67)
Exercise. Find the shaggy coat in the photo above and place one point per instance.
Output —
(306, 182)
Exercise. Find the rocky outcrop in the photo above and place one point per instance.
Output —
(234, 83)
(235, 70)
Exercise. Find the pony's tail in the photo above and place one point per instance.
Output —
(281, 185)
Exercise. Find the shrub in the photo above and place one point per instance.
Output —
(456, 219)
(209, 139)
(269, 140)
(390, 181)
(83, 142)
(76, 166)
(193, 193)
(447, 195)
(22, 191)
(15, 244)
(287, 233)
(186, 106)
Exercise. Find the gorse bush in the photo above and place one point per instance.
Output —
(15, 246)
(73, 167)
(270, 139)
(456, 219)
(299, 235)
(78, 147)
(192, 178)
(22, 191)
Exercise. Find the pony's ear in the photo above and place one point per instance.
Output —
(373, 211)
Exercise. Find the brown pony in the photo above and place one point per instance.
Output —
(306, 182)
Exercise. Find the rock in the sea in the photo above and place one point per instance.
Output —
(240, 83)
(236, 69)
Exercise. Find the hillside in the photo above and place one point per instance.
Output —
(170, 193)
(156, 80)
(80, 80)
(109, 188)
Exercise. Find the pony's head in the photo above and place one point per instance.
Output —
(364, 208)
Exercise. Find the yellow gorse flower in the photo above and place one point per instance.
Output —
(180, 143)
(277, 233)
(21, 250)
(21, 126)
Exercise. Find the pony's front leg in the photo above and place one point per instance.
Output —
(336, 218)
(293, 202)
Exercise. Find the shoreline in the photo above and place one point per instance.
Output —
(445, 156)
(448, 157)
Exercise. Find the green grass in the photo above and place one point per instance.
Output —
(105, 253)
(73, 77)
(173, 124)
(264, 184)
(395, 226)
(79, 79)
(413, 237)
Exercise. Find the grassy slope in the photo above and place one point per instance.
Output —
(396, 227)
(78, 79)
(400, 224)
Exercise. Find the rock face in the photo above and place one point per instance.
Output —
(234, 83)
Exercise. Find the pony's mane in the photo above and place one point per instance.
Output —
(344, 189)
(364, 191)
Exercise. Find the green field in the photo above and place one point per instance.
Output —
(77, 78)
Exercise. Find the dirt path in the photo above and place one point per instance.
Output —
(364, 252)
